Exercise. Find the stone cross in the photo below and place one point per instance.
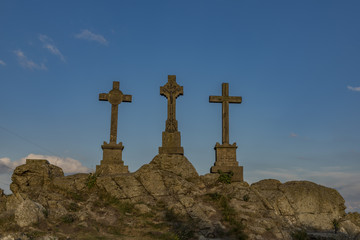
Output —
(171, 138)
(225, 153)
(225, 99)
(115, 97)
(171, 90)
(112, 162)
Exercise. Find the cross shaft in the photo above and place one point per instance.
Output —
(115, 97)
(225, 99)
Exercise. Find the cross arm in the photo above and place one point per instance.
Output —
(103, 97)
(216, 99)
(127, 98)
(234, 99)
(219, 99)
(162, 91)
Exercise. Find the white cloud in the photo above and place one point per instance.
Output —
(356, 89)
(68, 165)
(87, 35)
(48, 43)
(27, 63)
(7, 167)
(2, 63)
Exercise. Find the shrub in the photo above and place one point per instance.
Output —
(91, 180)
(336, 225)
(68, 218)
(225, 177)
(229, 216)
(214, 196)
(181, 227)
(45, 212)
(105, 199)
(246, 197)
(299, 235)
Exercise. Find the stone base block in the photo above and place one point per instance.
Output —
(171, 143)
(112, 152)
(109, 169)
(238, 172)
(112, 162)
(173, 150)
(225, 155)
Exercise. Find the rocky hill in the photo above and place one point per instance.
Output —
(167, 199)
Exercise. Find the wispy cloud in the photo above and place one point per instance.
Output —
(2, 63)
(356, 89)
(87, 35)
(293, 135)
(27, 63)
(48, 43)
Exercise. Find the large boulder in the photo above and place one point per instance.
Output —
(165, 176)
(29, 213)
(302, 203)
(350, 225)
(33, 177)
(174, 163)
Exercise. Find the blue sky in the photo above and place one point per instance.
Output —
(295, 63)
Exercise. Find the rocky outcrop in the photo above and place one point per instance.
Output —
(302, 203)
(34, 177)
(166, 199)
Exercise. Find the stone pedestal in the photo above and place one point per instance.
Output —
(112, 162)
(171, 143)
(226, 162)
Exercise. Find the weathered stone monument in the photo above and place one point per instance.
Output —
(225, 153)
(112, 162)
(171, 139)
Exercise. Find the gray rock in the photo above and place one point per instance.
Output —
(29, 213)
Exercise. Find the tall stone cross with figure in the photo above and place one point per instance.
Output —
(225, 153)
(112, 162)
(171, 139)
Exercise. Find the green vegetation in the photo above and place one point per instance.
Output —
(106, 199)
(214, 196)
(68, 218)
(91, 180)
(35, 235)
(246, 198)
(336, 225)
(229, 215)
(46, 213)
(299, 235)
(225, 177)
(182, 227)
(76, 196)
